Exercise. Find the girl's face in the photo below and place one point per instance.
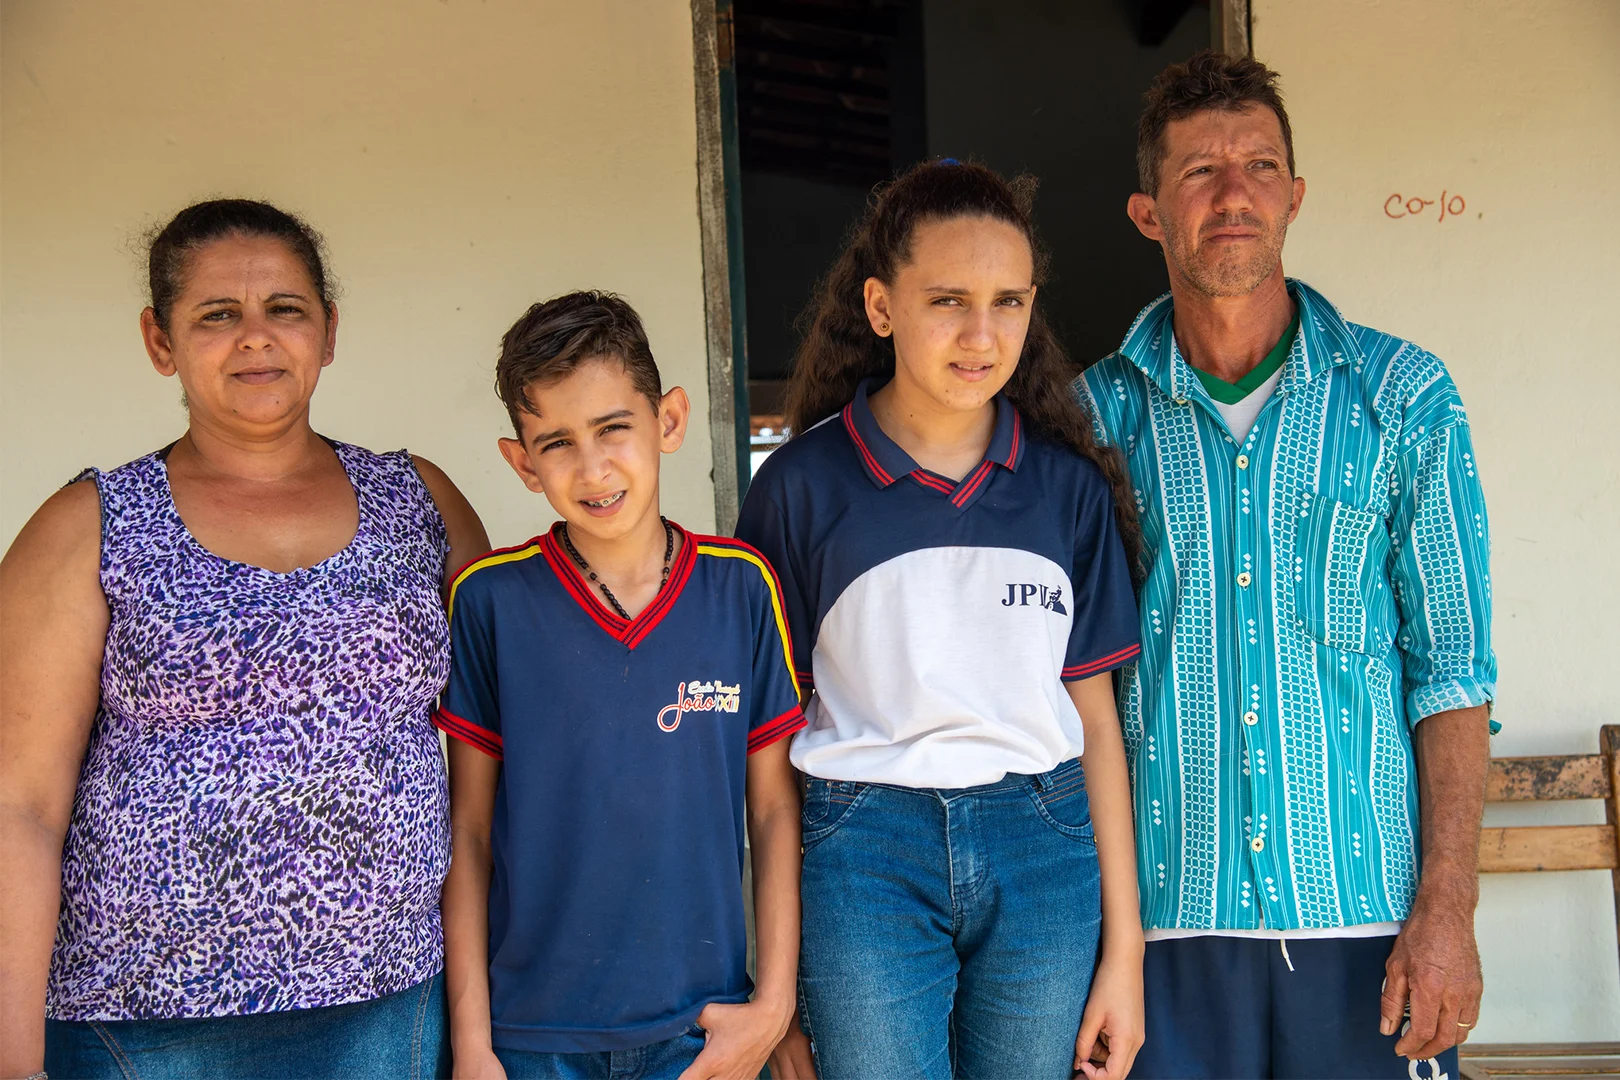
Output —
(958, 310)
(248, 335)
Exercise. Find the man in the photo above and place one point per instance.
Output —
(1308, 723)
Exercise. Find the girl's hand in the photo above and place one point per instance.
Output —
(482, 1065)
(739, 1039)
(1111, 1031)
(792, 1060)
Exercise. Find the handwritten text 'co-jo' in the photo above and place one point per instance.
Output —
(1449, 204)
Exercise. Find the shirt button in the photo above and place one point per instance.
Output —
(1251, 719)
(1244, 578)
(1243, 461)
(1257, 844)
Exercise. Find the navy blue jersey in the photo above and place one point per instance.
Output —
(937, 619)
(616, 907)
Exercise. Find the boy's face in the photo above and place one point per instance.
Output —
(593, 448)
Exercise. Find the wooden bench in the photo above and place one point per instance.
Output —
(1519, 849)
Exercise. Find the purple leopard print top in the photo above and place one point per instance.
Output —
(261, 823)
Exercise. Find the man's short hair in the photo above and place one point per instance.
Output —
(555, 337)
(1209, 80)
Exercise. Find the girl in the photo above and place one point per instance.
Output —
(954, 548)
(223, 825)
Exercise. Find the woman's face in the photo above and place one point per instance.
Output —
(958, 311)
(247, 334)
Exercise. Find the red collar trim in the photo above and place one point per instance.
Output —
(1017, 432)
(928, 479)
(633, 632)
(971, 484)
(872, 466)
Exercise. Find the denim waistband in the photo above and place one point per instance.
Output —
(1009, 782)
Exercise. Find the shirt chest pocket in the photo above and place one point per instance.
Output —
(1341, 580)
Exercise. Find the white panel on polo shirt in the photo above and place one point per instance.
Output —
(934, 704)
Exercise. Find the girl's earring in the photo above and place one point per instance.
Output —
(883, 328)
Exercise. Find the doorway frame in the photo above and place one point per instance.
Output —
(720, 225)
(1230, 28)
(712, 51)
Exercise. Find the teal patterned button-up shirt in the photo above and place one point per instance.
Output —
(1313, 592)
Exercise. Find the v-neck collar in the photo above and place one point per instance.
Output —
(628, 632)
(886, 461)
(1230, 393)
(1323, 341)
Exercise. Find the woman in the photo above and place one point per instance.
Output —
(948, 539)
(223, 798)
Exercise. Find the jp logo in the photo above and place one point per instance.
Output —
(1020, 594)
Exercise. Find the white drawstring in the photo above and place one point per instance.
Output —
(1284, 943)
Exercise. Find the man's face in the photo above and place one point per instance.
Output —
(1225, 200)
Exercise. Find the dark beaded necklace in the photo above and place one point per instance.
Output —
(584, 567)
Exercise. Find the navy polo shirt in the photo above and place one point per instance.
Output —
(937, 619)
(615, 906)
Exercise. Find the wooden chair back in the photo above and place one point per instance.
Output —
(1523, 848)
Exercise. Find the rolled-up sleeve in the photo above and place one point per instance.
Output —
(1441, 575)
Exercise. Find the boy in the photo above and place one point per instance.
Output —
(612, 683)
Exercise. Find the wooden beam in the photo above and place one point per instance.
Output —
(1609, 746)
(1526, 779)
(711, 193)
(1548, 847)
(1530, 1050)
(1229, 27)
(1568, 1059)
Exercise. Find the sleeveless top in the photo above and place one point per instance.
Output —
(262, 821)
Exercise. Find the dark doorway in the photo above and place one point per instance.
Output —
(834, 96)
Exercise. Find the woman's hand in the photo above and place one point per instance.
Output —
(482, 1065)
(792, 1059)
(1112, 1029)
(739, 1039)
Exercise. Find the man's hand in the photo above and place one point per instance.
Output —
(792, 1059)
(740, 1038)
(1434, 972)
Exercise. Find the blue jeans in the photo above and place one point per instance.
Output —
(403, 1035)
(661, 1061)
(951, 932)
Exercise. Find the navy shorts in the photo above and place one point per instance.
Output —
(1225, 1007)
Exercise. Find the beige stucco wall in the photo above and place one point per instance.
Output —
(463, 157)
(1513, 105)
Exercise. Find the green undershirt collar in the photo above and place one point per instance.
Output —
(1231, 393)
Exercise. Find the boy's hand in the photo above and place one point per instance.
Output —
(482, 1065)
(739, 1039)
(1111, 1031)
(792, 1059)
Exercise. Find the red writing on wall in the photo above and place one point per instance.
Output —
(1449, 204)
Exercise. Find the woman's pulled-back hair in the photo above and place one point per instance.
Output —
(202, 223)
(840, 349)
